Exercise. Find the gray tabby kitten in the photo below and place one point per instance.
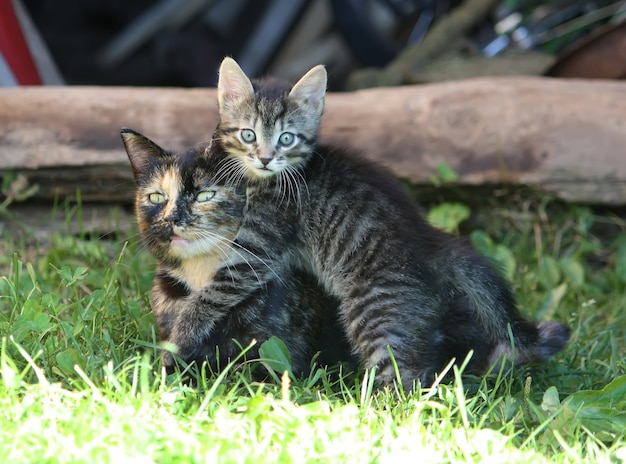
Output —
(403, 286)
(188, 218)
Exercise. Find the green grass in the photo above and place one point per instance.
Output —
(80, 381)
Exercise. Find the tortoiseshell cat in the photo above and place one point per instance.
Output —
(401, 283)
(188, 219)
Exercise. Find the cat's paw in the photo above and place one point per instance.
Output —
(168, 361)
(188, 339)
(180, 352)
(172, 360)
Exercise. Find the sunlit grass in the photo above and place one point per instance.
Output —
(81, 381)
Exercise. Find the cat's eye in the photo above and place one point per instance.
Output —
(286, 139)
(205, 195)
(156, 198)
(248, 135)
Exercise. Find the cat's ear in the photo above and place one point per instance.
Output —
(311, 88)
(232, 84)
(140, 150)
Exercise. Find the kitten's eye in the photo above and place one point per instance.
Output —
(205, 195)
(248, 135)
(157, 198)
(286, 139)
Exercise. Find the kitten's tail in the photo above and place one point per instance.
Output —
(494, 304)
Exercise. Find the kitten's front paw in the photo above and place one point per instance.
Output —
(179, 354)
(168, 362)
(186, 341)
(172, 355)
(173, 364)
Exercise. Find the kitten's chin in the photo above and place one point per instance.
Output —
(259, 173)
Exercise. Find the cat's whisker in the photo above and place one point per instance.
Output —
(134, 244)
(320, 155)
(218, 243)
(233, 176)
(140, 247)
(225, 164)
(206, 144)
(298, 172)
(261, 260)
(278, 189)
(290, 186)
(233, 246)
(294, 174)
(241, 174)
(228, 262)
(281, 188)
(294, 188)
(215, 242)
(229, 171)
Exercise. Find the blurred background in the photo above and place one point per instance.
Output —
(363, 43)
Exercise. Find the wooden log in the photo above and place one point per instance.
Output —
(565, 136)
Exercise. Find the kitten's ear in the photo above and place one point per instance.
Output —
(311, 88)
(233, 84)
(140, 150)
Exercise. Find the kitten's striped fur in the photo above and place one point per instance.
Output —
(401, 283)
(208, 292)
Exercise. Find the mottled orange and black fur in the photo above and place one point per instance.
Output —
(219, 295)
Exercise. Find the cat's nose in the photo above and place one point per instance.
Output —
(265, 160)
(174, 218)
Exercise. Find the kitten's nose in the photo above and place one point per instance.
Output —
(174, 217)
(265, 160)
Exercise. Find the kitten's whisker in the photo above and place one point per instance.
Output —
(228, 170)
(134, 247)
(225, 165)
(294, 188)
(234, 245)
(317, 153)
(287, 187)
(293, 174)
(228, 263)
(239, 175)
(280, 189)
(133, 237)
(219, 245)
(222, 241)
(203, 143)
(300, 174)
